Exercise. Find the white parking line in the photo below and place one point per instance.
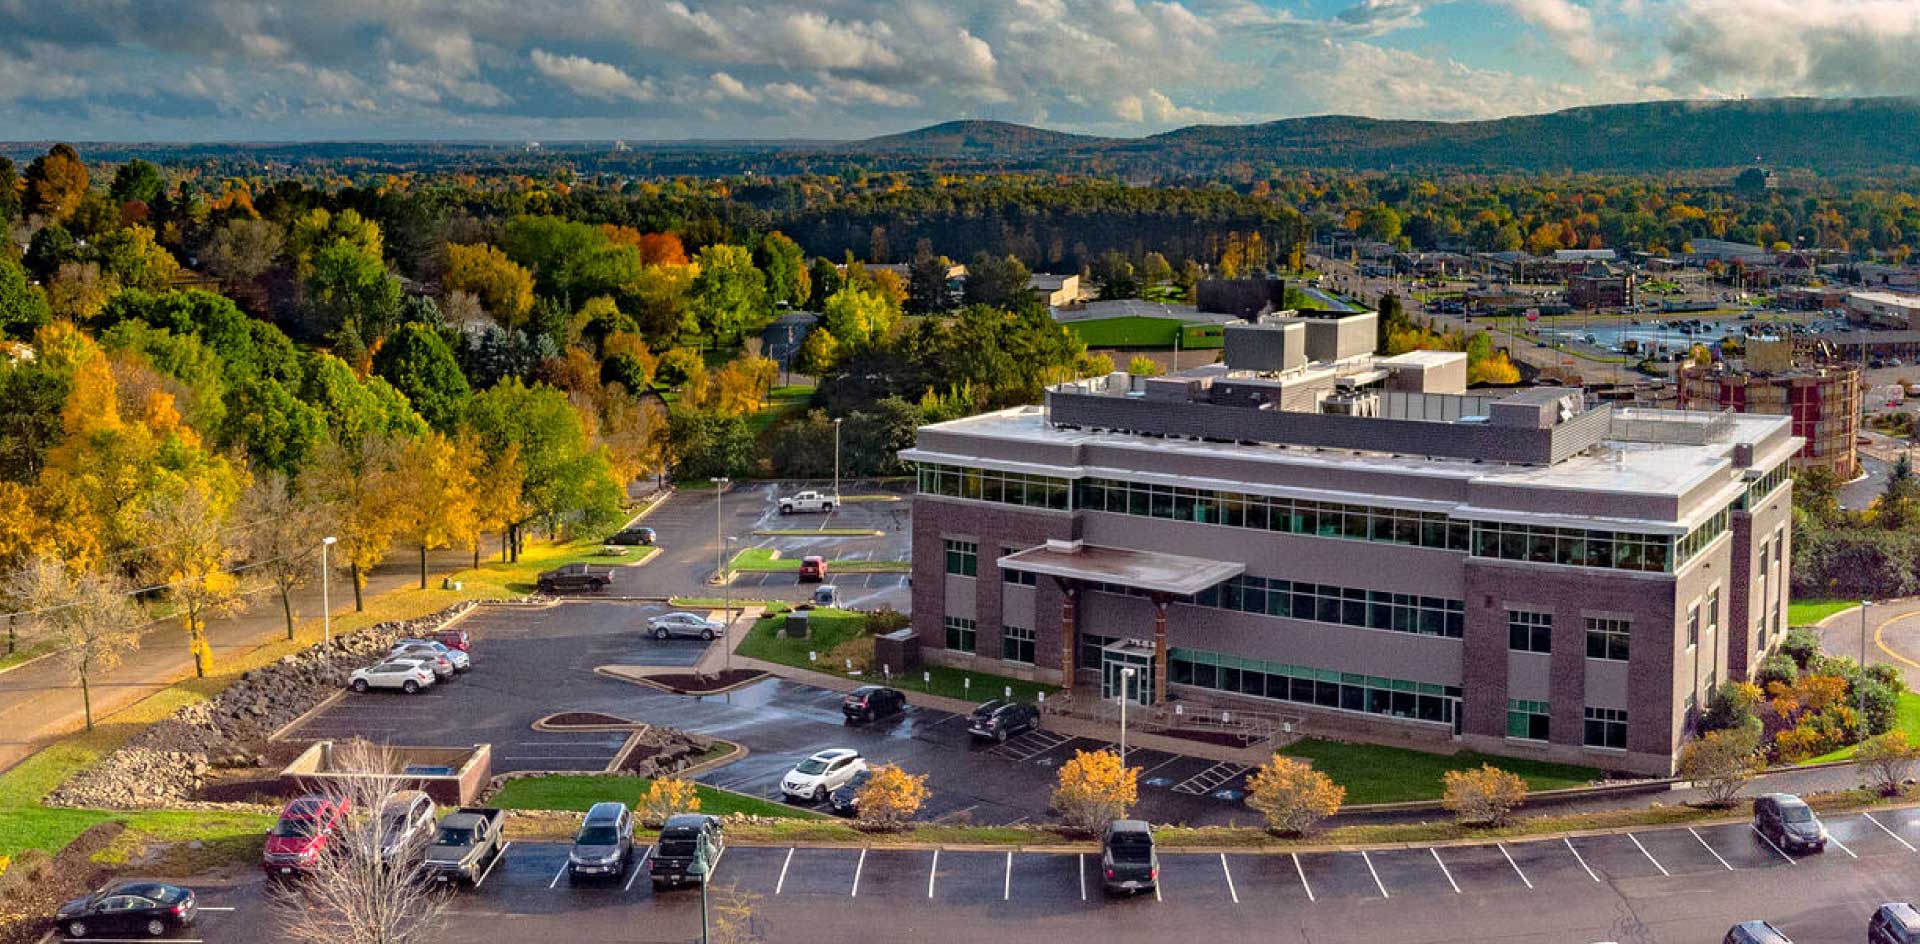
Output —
(1649, 855)
(1710, 849)
(129, 940)
(1080, 862)
(1297, 870)
(556, 875)
(1443, 870)
(1174, 759)
(1516, 865)
(634, 873)
(932, 871)
(1843, 847)
(1577, 857)
(1229, 873)
(482, 880)
(1376, 876)
(1770, 845)
(1006, 886)
(857, 866)
(1884, 829)
(783, 872)
(208, 908)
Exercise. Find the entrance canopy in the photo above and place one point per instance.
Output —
(1162, 573)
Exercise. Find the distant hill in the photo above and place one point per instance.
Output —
(1817, 134)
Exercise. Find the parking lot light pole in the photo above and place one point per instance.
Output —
(1126, 686)
(836, 460)
(326, 604)
(1863, 668)
(719, 545)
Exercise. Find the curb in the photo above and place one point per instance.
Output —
(542, 725)
(305, 716)
(612, 672)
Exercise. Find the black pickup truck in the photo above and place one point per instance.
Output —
(679, 841)
(575, 578)
(466, 844)
(1128, 862)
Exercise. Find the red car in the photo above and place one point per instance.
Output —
(297, 840)
(452, 639)
(813, 568)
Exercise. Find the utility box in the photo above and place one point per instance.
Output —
(796, 624)
(897, 651)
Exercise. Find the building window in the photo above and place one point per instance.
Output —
(1325, 688)
(1760, 488)
(1007, 488)
(1615, 550)
(1527, 720)
(1607, 639)
(1322, 603)
(1701, 536)
(1270, 513)
(1016, 644)
(1607, 727)
(1025, 578)
(1529, 632)
(1091, 655)
(963, 558)
(960, 634)
(1713, 612)
(1693, 625)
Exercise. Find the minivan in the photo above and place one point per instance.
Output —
(1786, 821)
(1895, 922)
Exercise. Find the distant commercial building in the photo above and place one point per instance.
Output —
(1813, 298)
(1884, 310)
(1823, 400)
(1055, 291)
(1602, 286)
(1312, 533)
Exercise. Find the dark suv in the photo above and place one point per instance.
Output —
(632, 536)
(1786, 821)
(872, 702)
(1894, 923)
(1001, 719)
(1128, 862)
(602, 846)
(1755, 932)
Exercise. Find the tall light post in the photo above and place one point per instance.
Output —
(726, 606)
(836, 459)
(719, 545)
(326, 603)
(1863, 668)
(1126, 695)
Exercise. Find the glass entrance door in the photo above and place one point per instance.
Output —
(1115, 683)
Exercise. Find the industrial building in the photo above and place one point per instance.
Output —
(1823, 399)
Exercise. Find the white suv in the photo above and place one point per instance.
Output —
(407, 675)
(822, 774)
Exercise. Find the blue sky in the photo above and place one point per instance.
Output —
(671, 69)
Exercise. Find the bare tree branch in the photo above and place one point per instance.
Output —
(91, 618)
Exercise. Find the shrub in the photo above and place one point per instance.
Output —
(1095, 788)
(1483, 797)
(885, 620)
(23, 875)
(891, 797)
(1801, 645)
(1721, 763)
(1292, 795)
(1732, 705)
(666, 797)
(1885, 760)
(1882, 705)
(1778, 667)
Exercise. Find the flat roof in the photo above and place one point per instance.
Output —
(1887, 298)
(1149, 570)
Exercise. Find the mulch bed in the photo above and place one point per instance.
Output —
(568, 719)
(687, 683)
(1221, 738)
(641, 752)
(70, 875)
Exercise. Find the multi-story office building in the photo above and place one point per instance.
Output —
(1359, 543)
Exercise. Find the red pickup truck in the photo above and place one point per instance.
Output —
(298, 840)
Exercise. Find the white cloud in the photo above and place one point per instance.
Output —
(592, 79)
(1796, 46)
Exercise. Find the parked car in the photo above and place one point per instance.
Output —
(407, 675)
(813, 568)
(846, 800)
(442, 666)
(146, 908)
(575, 578)
(1755, 932)
(1000, 719)
(406, 826)
(1128, 861)
(301, 836)
(461, 659)
(823, 773)
(632, 536)
(679, 841)
(453, 639)
(1788, 822)
(826, 595)
(806, 501)
(604, 843)
(685, 624)
(467, 843)
(1895, 922)
(872, 702)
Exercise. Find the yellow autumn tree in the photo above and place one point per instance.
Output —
(367, 499)
(192, 557)
(1483, 797)
(501, 284)
(498, 495)
(1292, 795)
(437, 505)
(891, 797)
(742, 387)
(1095, 788)
(666, 797)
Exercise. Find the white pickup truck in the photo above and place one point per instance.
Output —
(806, 501)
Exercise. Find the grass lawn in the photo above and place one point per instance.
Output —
(831, 629)
(781, 403)
(1906, 717)
(826, 628)
(1127, 331)
(22, 654)
(1374, 774)
(575, 793)
(1809, 612)
(761, 560)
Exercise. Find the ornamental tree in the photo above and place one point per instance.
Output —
(1292, 795)
(1095, 788)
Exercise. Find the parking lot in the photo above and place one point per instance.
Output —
(1658, 885)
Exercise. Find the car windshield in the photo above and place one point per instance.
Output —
(294, 828)
(812, 765)
(599, 834)
(455, 836)
(1797, 814)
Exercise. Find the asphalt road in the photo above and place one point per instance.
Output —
(1666, 886)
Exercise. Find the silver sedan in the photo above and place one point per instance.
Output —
(684, 624)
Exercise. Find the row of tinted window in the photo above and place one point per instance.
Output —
(1267, 513)
(1617, 550)
(1321, 603)
(1008, 488)
(1760, 488)
(1326, 689)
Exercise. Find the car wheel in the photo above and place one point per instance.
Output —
(820, 793)
(706, 634)
(786, 509)
(828, 508)
(659, 634)
(544, 587)
(1000, 735)
(156, 927)
(76, 929)
(360, 685)
(597, 586)
(410, 686)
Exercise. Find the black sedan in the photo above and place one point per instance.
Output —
(846, 800)
(144, 908)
